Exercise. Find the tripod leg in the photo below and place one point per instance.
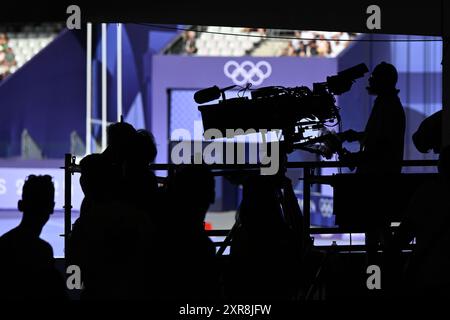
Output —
(228, 239)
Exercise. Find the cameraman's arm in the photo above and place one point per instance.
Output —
(352, 135)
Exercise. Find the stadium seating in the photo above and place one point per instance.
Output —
(238, 41)
(226, 41)
(27, 41)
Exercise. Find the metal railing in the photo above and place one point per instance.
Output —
(309, 178)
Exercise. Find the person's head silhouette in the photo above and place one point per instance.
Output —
(94, 179)
(120, 138)
(37, 203)
(383, 79)
(429, 134)
(146, 146)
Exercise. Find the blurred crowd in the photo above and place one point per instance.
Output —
(7, 59)
(305, 44)
(314, 43)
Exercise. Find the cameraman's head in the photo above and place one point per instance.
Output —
(383, 79)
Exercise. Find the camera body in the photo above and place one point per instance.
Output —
(292, 110)
(270, 108)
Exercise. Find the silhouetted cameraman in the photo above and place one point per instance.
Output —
(382, 141)
(381, 151)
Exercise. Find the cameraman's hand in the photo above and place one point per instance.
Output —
(351, 135)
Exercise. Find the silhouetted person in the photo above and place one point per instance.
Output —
(97, 184)
(427, 220)
(382, 144)
(382, 141)
(27, 268)
(264, 255)
(120, 138)
(186, 267)
(428, 135)
(112, 237)
(140, 182)
(147, 140)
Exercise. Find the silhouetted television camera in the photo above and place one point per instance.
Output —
(292, 110)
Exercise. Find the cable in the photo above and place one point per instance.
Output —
(288, 38)
(244, 89)
(239, 91)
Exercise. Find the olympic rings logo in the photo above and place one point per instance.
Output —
(247, 72)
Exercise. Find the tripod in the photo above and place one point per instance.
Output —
(301, 243)
(291, 210)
